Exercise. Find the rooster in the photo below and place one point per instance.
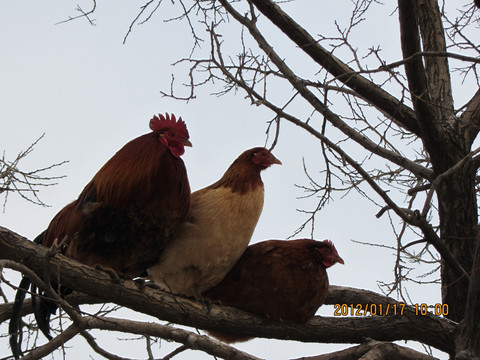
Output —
(127, 213)
(220, 225)
(277, 279)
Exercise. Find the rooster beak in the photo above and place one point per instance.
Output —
(186, 142)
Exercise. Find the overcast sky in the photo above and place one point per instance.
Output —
(90, 94)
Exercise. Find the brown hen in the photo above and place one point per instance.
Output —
(278, 279)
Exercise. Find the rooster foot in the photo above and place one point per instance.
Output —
(214, 302)
(141, 283)
(144, 283)
(116, 277)
(153, 285)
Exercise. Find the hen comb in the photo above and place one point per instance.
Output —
(330, 244)
(161, 122)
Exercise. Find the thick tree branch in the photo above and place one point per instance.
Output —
(469, 122)
(74, 299)
(465, 162)
(417, 82)
(373, 350)
(468, 340)
(44, 350)
(188, 338)
(436, 68)
(434, 331)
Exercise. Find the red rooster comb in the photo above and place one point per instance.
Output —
(161, 122)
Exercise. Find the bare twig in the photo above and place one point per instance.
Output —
(83, 14)
(25, 183)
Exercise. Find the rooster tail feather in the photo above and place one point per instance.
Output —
(42, 309)
(39, 238)
(15, 325)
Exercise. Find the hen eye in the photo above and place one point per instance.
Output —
(263, 153)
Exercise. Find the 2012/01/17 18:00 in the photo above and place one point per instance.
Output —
(388, 309)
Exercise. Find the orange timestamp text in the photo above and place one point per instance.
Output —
(388, 309)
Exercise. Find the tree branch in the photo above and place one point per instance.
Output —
(468, 340)
(415, 71)
(188, 338)
(373, 350)
(436, 67)
(431, 330)
(25, 183)
(469, 122)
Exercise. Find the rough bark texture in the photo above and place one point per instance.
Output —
(458, 214)
(428, 329)
(468, 339)
(373, 350)
(429, 84)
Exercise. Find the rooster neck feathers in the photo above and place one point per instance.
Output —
(141, 157)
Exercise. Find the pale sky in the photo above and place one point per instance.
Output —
(90, 94)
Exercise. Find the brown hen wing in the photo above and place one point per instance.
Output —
(280, 280)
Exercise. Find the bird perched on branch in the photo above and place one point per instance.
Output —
(127, 213)
(278, 279)
(220, 225)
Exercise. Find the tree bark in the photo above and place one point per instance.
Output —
(373, 350)
(429, 329)
(430, 88)
(468, 339)
(457, 206)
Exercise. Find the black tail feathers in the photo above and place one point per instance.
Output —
(15, 325)
(42, 309)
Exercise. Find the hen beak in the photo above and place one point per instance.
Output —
(339, 260)
(274, 160)
(186, 142)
